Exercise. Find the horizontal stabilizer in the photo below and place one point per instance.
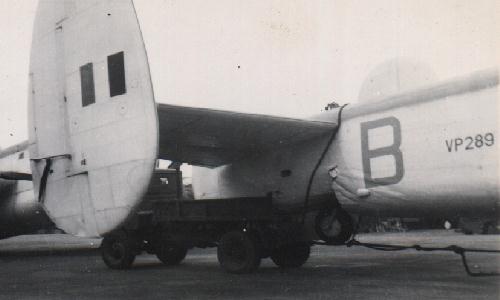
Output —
(15, 176)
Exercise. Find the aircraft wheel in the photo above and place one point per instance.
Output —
(291, 256)
(118, 250)
(238, 252)
(334, 226)
(170, 253)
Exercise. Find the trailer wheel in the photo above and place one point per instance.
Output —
(170, 253)
(238, 252)
(334, 226)
(118, 250)
(291, 256)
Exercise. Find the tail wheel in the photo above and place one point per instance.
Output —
(170, 253)
(118, 250)
(291, 256)
(238, 252)
(334, 226)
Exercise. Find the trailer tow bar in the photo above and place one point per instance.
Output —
(453, 248)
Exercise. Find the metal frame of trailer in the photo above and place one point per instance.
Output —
(244, 230)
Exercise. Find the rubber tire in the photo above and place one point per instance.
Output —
(170, 253)
(291, 256)
(238, 252)
(118, 250)
(344, 221)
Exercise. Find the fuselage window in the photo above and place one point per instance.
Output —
(116, 74)
(87, 81)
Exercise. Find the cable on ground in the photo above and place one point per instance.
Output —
(453, 248)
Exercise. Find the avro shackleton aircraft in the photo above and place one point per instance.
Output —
(96, 132)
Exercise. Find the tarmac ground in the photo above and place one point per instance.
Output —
(62, 267)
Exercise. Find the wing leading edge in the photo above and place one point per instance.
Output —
(211, 138)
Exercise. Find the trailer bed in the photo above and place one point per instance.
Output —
(233, 209)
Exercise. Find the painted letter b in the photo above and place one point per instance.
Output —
(391, 150)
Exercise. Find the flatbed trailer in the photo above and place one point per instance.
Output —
(244, 230)
(216, 210)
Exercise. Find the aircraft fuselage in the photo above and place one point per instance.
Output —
(430, 151)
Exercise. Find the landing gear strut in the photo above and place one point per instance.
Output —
(334, 226)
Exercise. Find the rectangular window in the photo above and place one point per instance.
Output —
(116, 74)
(87, 80)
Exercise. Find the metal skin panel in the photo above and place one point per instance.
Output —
(102, 154)
(446, 159)
(261, 174)
(400, 160)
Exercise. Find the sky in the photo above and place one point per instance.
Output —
(279, 57)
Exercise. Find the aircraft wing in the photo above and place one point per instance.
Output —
(211, 138)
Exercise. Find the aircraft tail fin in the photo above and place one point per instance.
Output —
(93, 124)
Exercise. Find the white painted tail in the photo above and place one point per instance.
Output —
(93, 123)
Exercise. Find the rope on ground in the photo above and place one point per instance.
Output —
(453, 248)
